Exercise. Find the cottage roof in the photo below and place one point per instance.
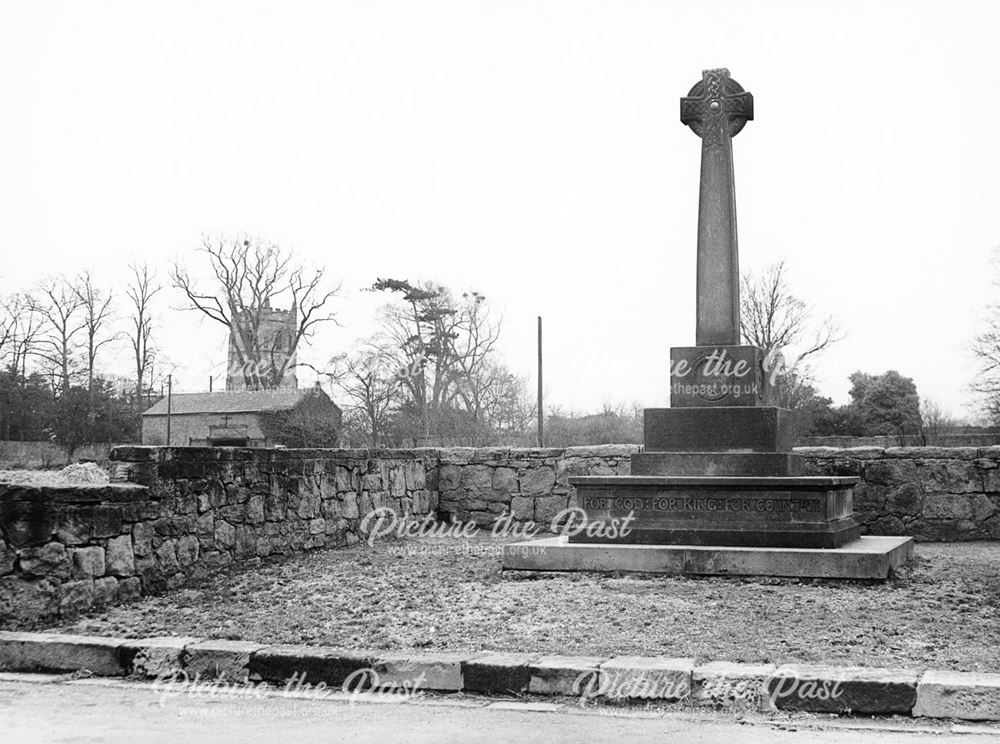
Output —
(242, 401)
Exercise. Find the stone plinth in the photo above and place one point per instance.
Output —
(760, 464)
(724, 429)
(799, 512)
(865, 558)
(717, 376)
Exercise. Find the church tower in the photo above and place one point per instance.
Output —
(276, 341)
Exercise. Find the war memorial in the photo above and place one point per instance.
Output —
(717, 489)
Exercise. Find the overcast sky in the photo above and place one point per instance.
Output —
(529, 150)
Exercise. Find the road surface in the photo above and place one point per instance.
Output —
(56, 709)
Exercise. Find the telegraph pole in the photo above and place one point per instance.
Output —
(541, 415)
(170, 391)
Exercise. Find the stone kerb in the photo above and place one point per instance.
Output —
(738, 688)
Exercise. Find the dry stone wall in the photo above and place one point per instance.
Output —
(175, 515)
(931, 493)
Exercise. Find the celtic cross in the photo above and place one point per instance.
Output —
(716, 109)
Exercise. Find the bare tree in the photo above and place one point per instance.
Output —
(771, 317)
(141, 290)
(96, 308)
(935, 421)
(60, 307)
(986, 348)
(250, 276)
(370, 379)
(22, 325)
(775, 320)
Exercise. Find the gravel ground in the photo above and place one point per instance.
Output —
(941, 611)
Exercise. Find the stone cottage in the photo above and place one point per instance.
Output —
(249, 418)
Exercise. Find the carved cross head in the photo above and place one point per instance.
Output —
(715, 104)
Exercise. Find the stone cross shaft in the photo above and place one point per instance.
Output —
(716, 109)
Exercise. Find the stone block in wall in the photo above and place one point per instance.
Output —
(166, 557)
(255, 509)
(449, 477)
(88, 563)
(477, 478)
(983, 507)
(343, 479)
(371, 481)
(142, 538)
(537, 481)
(129, 589)
(23, 602)
(246, 543)
(492, 496)
(216, 561)
(119, 557)
(74, 525)
(153, 579)
(869, 498)
(932, 453)
(365, 503)
(421, 503)
(274, 506)
(547, 507)
(105, 591)
(105, 520)
(396, 479)
(185, 504)
(309, 502)
(330, 508)
(953, 476)
(349, 505)
(885, 524)
(7, 557)
(905, 499)
(991, 480)
(174, 526)
(947, 506)
(76, 596)
(187, 550)
(49, 561)
(26, 523)
(890, 472)
(380, 499)
(505, 480)
(522, 508)
(414, 475)
(205, 526)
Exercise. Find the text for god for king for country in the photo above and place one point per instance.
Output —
(700, 504)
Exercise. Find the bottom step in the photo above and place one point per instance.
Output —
(864, 558)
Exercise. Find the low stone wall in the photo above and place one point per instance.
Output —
(532, 484)
(188, 513)
(931, 493)
(180, 514)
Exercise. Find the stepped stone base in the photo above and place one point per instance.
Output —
(864, 558)
(791, 512)
(760, 464)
